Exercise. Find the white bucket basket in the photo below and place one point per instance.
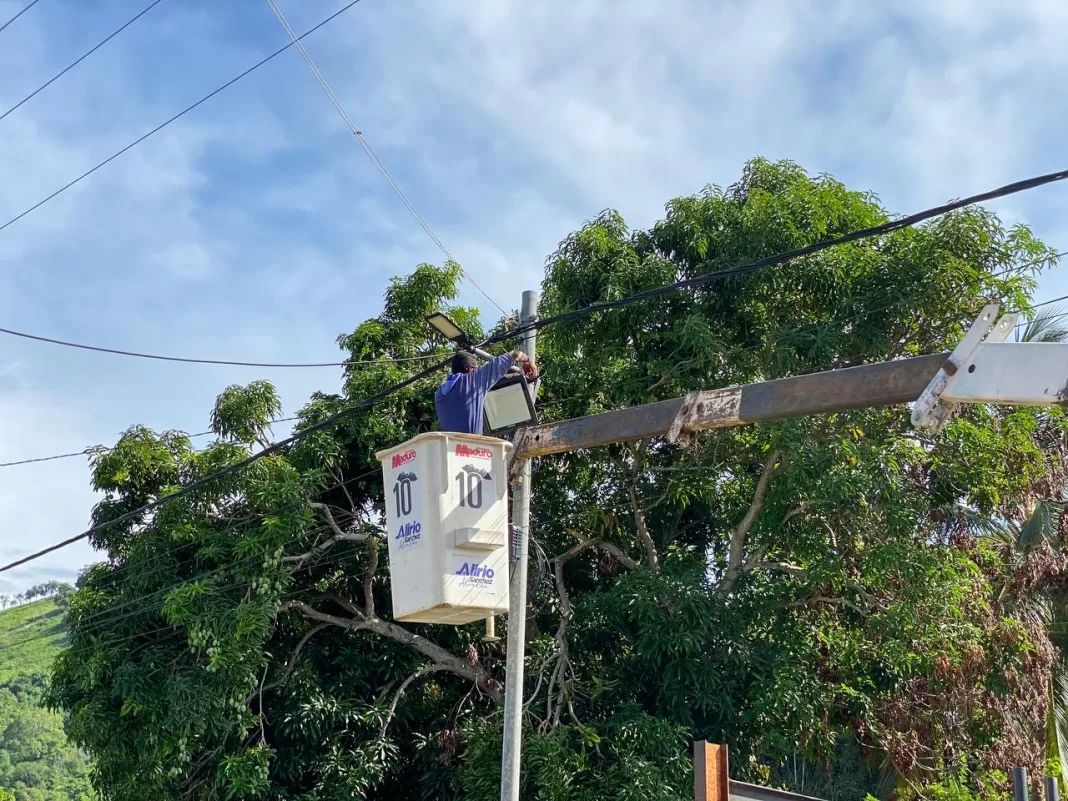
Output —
(447, 520)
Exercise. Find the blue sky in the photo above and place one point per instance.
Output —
(256, 229)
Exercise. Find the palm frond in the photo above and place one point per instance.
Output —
(1041, 527)
(959, 516)
(1048, 325)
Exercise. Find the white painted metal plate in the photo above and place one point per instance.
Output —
(1019, 373)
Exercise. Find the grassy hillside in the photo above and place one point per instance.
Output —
(30, 637)
(36, 761)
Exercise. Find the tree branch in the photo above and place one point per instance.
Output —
(801, 508)
(369, 575)
(400, 691)
(291, 663)
(339, 536)
(323, 617)
(344, 488)
(585, 544)
(384, 628)
(783, 567)
(643, 528)
(558, 677)
(299, 559)
(617, 552)
(773, 464)
(674, 370)
(557, 680)
(822, 599)
(322, 507)
(640, 523)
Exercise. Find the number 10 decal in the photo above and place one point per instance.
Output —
(402, 494)
(469, 483)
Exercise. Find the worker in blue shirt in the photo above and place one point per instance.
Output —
(460, 400)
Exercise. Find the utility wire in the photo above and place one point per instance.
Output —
(110, 623)
(312, 533)
(109, 610)
(195, 485)
(27, 8)
(768, 261)
(45, 459)
(1017, 268)
(79, 60)
(1049, 302)
(1051, 318)
(367, 149)
(177, 116)
(92, 449)
(237, 564)
(782, 258)
(186, 360)
(87, 451)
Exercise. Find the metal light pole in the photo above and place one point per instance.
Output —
(1019, 784)
(517, 599)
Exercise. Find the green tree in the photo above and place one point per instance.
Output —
(786, 589)
(36, 761)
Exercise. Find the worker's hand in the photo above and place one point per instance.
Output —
(530, 370)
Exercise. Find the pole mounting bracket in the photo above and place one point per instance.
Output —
(936, 403)
(681, 427)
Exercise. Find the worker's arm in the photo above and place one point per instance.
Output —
(491, 372)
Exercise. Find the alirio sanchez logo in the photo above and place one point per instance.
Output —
(475, 575)
(403, 458)
(409, 534)
(473, 453)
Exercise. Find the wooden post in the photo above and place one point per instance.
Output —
(711, 781)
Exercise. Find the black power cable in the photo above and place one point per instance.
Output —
(195, 485)
(177, 116)
(188, 360)
(19, 14)
(81, 58)
(790, 255)
(89, 451)
(768, 261)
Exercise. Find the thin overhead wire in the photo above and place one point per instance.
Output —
(231, 363)
(769, 261)
(45, 458)
(1051, 318)
(1017, 268)
(803, 326)
(177, 116)
(82, 58)
(195, 485)
(109, 612)
(120, 569)
(19, 14)
(312, 534)
(103, 449)
(783, 258)
(1050, 302)
(369, 151)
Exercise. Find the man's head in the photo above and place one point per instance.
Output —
(464, 362)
